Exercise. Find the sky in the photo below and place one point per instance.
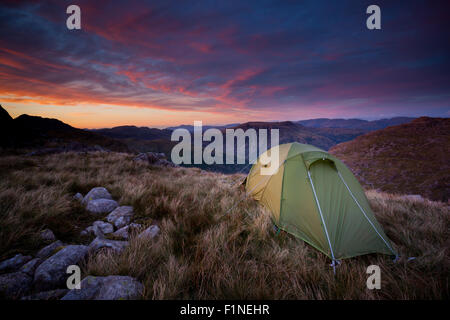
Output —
(165, 63)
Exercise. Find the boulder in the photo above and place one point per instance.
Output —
(51, 274)
(125, 231)
(14, 285)
(14, 263)
(122, 211)
(150, 232)
(104, 227)
(107, 288)
(47, 295)
(115, 245)
(31, 266)
(47, 235)
(100, 206)
(96, 193)
(49, 250)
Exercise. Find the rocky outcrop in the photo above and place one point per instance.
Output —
(107, 288)
(51, 274)
(44, 276)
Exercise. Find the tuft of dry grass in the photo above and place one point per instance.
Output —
(205, 250)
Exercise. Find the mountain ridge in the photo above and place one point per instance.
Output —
(355, 123)
(53, 135)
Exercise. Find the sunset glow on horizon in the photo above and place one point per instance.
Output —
(164, 64)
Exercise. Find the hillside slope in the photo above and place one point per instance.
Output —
(215, 242)
(411, 158)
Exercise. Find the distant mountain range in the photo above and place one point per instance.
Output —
(133, 132)
(29, 131)
(321, 137)
(365, 125)
(323, 133)
(190, 128)
(354, 123)
(411, 158)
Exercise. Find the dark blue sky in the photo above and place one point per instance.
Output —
(171, 62)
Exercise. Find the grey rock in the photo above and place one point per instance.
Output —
(125, 231)
(122, 221)
(150, 232)
(104, 227)
(96, 193)
(47, 295)
(51, 274)
(115, 245)
(14, 263)
(31, 266)
(79, 197)
(49, 250)
(100, 206)
(107, 288)
(98, 232)
(122, 211)
(14, 285)
(47, 235)
(87, 231)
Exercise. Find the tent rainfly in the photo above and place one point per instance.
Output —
(316, 198)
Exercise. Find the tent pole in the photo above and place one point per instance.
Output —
(333, 264)
(365, 215)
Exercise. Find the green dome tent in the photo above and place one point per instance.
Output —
(316, 198)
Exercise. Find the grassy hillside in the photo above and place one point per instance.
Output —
(204, 251)
(411, 158)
